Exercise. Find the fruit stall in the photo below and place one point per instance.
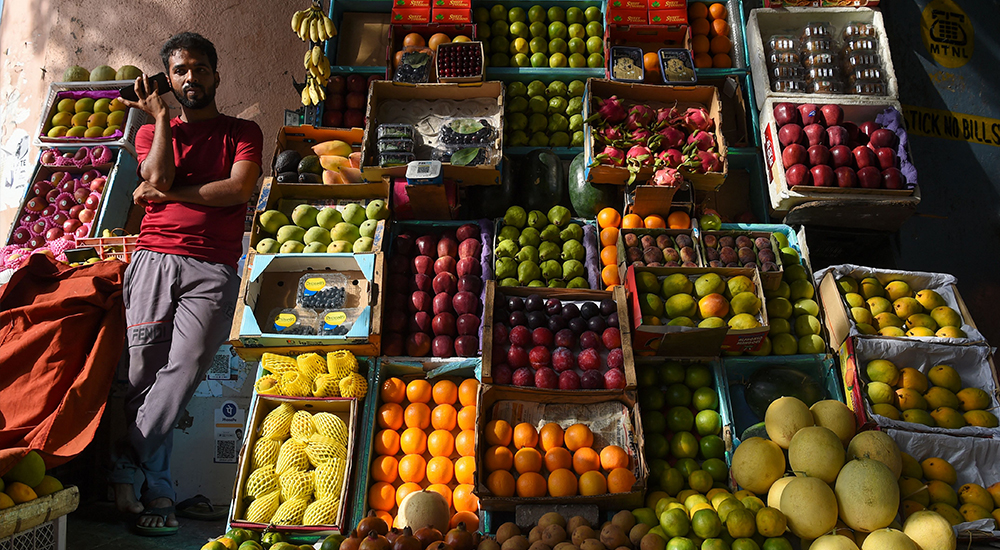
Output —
(532, 276)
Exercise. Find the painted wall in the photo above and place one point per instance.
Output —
(258, 56)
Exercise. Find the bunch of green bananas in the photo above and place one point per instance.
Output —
(313, 25)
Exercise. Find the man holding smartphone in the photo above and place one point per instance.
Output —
(197, 172)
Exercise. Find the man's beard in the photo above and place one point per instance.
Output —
(204, 101)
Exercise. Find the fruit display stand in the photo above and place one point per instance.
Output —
(108, 89)
(668, 340)
(974, 459)
(344, 408)
(25, 516)
(818, 379)
(284, 197)
(271, 281)
(565, 295)
(838, 318)
(612, 419)
(973, 363)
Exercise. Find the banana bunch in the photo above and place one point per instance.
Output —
(314, 92)
(317, 76)
(313, 25)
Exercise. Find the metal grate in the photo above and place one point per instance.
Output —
(42, 537)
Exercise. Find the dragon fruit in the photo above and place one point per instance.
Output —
(704, 161)
(639, 116)
(639, 153)
(697, 118)
(671, 137)
(610, 111)
(610, 155)
(667, 177)
(702, 140)
(611, 134)
(666, 115)
(671, 158)
(640, 136)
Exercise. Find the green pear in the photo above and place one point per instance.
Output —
(272, 220)
(515, 217)
(578, 282)
(537, 219)
(573, 232)
(506, 268)
(559, 215)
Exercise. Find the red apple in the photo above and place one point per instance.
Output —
(53, 194)
(418, 344)
(445, 264)
(89, 176)
(421, 322)
(60, 218)
(442, 303)
(98, 184)
(93, 200)
(35, 204)
(354, 118)
(396, 320)
(426, 245)
(447, 247)
(356, 101)
(393, 344)
(470, 248)
(420, 301)
(333, 119)
(465, 302)
(423, 264)
(467, 231)
(70, 225)
(74, 211)
(334, 103)
(87, 215)
(337, 85)
(48, 211)
(467, 345)
(444, 282)
(470, 284)
(892, 178)
(81, 195)
(798, 174)
(822, 175)
(82, 231)
(53, 233)
(40, 188)
(442, 346)
(846, 177)
(869, 177)
(467, 324)
(20, 235)
(443, 324)
(357, 83)
(469, 267)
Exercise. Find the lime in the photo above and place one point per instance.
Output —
(538, 139)
(645, 516)
(656, 467)
(705, 398)
(777, 543)
(538, 45)
(500, 44)
(519, 29)
(483, 32)
(716, 468)
(708, 422)
(656, 444)
(680, 419)
(481, 15)
(712, 446)
(519, 45)
(706, 524)
(577, 45)
(671, 480)
(537, 104)
(681, 543)
(555, 88)
(520, 60)
(515, 89)
(556, 13)
(686, 466)
(697, 376)
(644, 374)
(539, 59)
(576, 30)
(558, 45)
(701, 481)
(653, 421)
(805, 306)
(517, 121)
(536, 87)
(744, 544)
(537, 29)
(595, 45)
(678, 395)
(671, 373)
(576, 88)
(714, 544)
(592, 14)
(595, 61)
(675, 522)
(559, 139)
(536, 14)
(575, 15)
(684, 445)
(650, 399)
(595, 29)
(777, 326)
(557, 29)
(498, 13)
(558, 60)
(499, 28)
(577, 61)
(517, 14)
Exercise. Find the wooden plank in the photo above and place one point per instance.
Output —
(33, 513)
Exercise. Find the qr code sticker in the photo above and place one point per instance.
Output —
(225, 451)
(219, 369)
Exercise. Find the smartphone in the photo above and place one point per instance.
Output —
(160, 79)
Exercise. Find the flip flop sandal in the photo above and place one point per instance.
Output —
(155, 531)
(199, 507)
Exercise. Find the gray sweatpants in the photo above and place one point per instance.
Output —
(178, 311)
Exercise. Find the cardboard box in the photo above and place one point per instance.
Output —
(271, 281)
(362, 40)
(624, 16)
(286, 196)
(566, 295)
(686, 341)
(484, 174)
(627, 5)
(613, 419)
(410, 4)
(668, 17)
(763, 23)
(974, 365)
(770, 279)
(345, 408)
(624, 263)
(451, 15)
(654, 96)
(667, 5)
(820, 3)
(302, 138)
(461, 79)
(840, 324)
(411, 16)
(452, 4)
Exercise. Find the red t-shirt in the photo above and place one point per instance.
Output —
(204, 151)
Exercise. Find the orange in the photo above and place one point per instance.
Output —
(498, 458)
(464, 500)
(654, 222)
(404, 490)
(719, 26)
(610, 275)
(444, 417)
(632, 221)
(717, 10)
(609, 236)
(586, 459)
(702, 60)
(384, 516)
(700, 44)
(440, 470)
(721, 44)
(609, 255)
(651, 61)
(418, 391)
(498, 432)
(700, 27)
(468, 392)
(608, 217)
(722, 61)
(558, 457)
(438, 39)
(442, 490)
(525, 436)
(679, 220)
(445, 392)
(696, 10)
(527, 459)
(390, 416)
(562, 483)
(531, 484)
(393, 391)
(414, 39)
(620, 480)
(470, 520)
(501, 483)
(578, 436)
(441, 443)
(384, 468)
(412, 468)
(465, 443)
(413, 441)
(417, 415)
(386, 443)
(551, 436)
(593, 483)
(467, 417)
(382, 496)
(465, 469)
(613, 457)
(398, 58)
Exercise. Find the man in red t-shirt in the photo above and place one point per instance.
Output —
(197, 172)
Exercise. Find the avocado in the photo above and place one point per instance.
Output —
(287, 161)
(288, 177)
(311, 165)
(309, 177)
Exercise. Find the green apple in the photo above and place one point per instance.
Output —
(516, 88)
(558, 105)
(519, 45)
(537, 122)
(517, 105)
(576, 30)
(576, 88)
(575, 15)
(520, 60)
(595, 28)
(519, 29)
(595, 45)
(536, 14)
(498, 13)
(517, 14)
(538, 139)
(538, 104)
(557, 29)
(595, 61)
(481, 15)
(517, 121)
(536, 87)
(593, 13)
(577, 45)
(539, 60)
(577, 60)
(538, 45)
(518, 139)
(559, 139)
(499, 60)
(558, 60)
(558, 45)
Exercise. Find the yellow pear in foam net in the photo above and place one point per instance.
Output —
(292, 457)
(295, 384)
(263, 507)
(262, 481)
(353, 385)
(328, 479)
(269, 384)
(340, 363)
(277, 422)
(311, 365)
(290, 512)
(325, 385)
(322, 512)
(265, 453)
(277, 364)
(331, 425)
(295, 484)
(302, 427)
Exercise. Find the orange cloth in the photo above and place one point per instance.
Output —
(62, 331)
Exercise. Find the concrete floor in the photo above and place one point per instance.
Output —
(98, 526)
